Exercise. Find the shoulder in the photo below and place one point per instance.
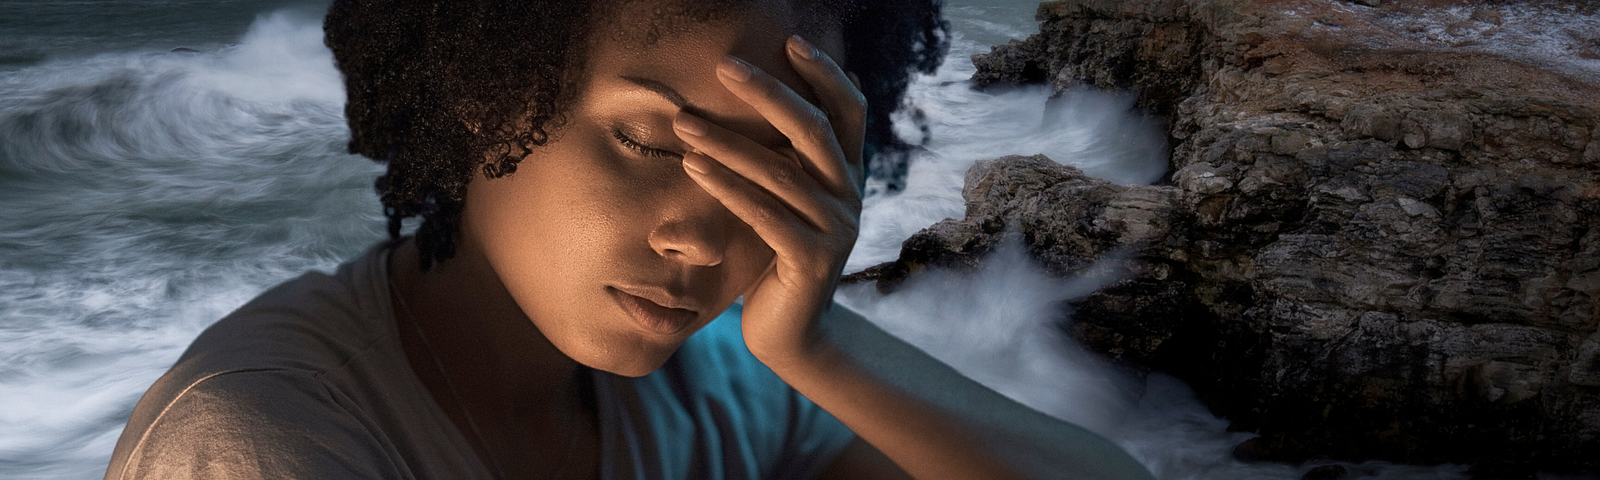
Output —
(313, 322)
(251, 424)
(259, 374)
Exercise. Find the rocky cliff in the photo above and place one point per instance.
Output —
(1379, 237)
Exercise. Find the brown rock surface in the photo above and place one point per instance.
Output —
(1380, 235)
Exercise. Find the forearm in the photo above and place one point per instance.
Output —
(915, 434)
(931, 420)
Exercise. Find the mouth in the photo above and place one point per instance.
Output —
(652, 316)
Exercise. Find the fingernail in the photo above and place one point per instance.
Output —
(802, 48)
(734, 69)
(695, 164)
(687, 123)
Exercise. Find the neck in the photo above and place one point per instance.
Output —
(501, 382)
(493, 356)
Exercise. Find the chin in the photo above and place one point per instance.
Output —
(632, 367)
(632, 371)
(630, 360)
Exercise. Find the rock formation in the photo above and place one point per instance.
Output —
(1380, 237)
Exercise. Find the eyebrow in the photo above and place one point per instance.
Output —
(665, 91)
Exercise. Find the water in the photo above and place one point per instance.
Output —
(148, 192)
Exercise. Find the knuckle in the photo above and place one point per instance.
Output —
(764, 213)
(847, 227)
(782, 175)
(821, 274)
(820, 127)
(820, 121)
(853, 204)
(856, 107)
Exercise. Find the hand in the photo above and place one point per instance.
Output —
(804, 205)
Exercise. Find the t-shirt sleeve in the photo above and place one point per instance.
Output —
(262, 424)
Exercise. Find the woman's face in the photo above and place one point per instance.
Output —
(603, 219)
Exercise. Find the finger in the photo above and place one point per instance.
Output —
(772, 221)
(807, 126)
(838, 92)
(781, 176)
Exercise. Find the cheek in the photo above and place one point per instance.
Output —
(524, 218)
(554, 230)
(555, 233)
(572, 220)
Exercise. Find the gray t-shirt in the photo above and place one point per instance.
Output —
(309, 381)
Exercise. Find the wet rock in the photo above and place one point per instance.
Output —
(1502, 471)
(1013, 68)
(1325, 472)
(1371, 247)
(1487, 15)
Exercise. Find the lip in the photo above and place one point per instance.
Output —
(650, 315)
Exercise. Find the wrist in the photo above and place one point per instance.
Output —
(804, 347)
(807, 350)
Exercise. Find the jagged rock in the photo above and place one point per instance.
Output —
(1378, 239)
(1325, 472)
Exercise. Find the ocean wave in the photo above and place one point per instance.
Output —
(147, 196)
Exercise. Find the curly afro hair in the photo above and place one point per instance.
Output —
(441, 90)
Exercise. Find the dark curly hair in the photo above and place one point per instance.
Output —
(437, 87)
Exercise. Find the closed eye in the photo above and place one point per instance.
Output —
(643, 149)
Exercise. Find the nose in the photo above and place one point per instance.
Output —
(696, 241)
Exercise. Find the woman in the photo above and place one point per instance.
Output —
(599, 182)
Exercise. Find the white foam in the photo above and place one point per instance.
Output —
(280, 59)
(1099, 132)
(1000, 325)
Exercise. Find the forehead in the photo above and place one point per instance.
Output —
(679, 47)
